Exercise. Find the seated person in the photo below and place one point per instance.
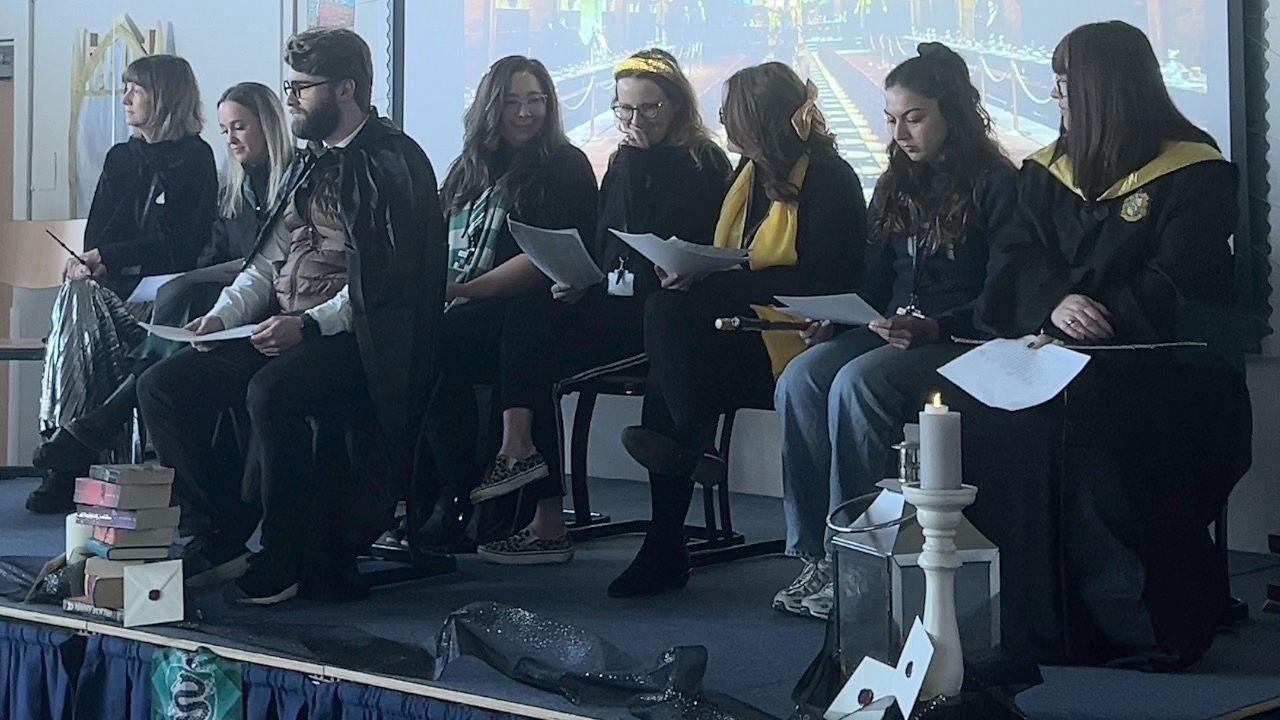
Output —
(1131, 212)
(798, 209)
(516, 163)
(151, 212)
(948, 196)
(346, 285)
(667, 177)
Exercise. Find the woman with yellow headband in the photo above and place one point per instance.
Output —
(797, 208)
(668, 178)
(947, 197)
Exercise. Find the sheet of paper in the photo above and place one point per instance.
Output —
(846, 309)
(559, 254)
(685, 259)
(1008, 375)
(148, 287)
(874, 686)
(177, 334)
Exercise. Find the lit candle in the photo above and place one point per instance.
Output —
(939, 447)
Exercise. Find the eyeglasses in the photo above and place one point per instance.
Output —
(648, 111)
(294, 88)
(532, 102)
(1060, 85)
(721, 114)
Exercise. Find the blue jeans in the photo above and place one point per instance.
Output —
(841, 404)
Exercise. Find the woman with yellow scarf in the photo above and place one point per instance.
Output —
(798, 209)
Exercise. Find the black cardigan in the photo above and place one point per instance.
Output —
(950, 282)
(663, 191)
(153, 208)
(830, 241)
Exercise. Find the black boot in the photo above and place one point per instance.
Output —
(54, 496)
(100, 427)
(64, 452)
(445, 529)
(661, 565)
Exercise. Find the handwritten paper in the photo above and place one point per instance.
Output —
(1009, 375)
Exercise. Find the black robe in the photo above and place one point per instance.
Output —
(1155, 439)
(396, 245)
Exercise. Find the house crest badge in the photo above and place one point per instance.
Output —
(1136, 206)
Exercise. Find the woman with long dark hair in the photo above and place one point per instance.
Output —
(152, 212)
(667, 177)
(1130, 216)
(947, 197)
(797, 208)
(516, 163)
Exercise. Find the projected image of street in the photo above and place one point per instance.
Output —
(846, 46)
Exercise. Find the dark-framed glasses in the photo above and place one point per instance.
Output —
(1060, 85)
(533, 101)
(648, 111)
(294, 88)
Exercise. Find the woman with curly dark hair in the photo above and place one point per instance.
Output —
(947, 197)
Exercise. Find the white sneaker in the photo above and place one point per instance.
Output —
(814, 576)
(820, 603)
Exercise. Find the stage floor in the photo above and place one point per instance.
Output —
(755, 654)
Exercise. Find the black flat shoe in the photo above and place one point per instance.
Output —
(658, 568)
(54, 496)
(64, 452)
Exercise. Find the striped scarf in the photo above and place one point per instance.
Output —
(473, 236)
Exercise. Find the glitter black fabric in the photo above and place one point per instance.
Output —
(585, 669)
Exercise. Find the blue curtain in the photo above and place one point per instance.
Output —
(115, 683)
(274, 694)
(38, 669)
(363, 702)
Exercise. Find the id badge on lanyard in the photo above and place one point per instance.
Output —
(622, 282)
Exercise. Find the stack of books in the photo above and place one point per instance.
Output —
(133, 523)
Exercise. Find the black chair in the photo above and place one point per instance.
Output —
(713, 542)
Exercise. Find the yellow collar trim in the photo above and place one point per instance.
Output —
(1173, 157)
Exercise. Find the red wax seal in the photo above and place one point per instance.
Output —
(910, 666)
(865, 696)
(153, 595)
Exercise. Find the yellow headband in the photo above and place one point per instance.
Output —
(808, 117)
(644, 65)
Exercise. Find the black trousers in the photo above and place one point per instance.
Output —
(183, 396)
(521, 347)
(696, 373)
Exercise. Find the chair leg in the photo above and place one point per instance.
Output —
(1237, 611)
(578, 447)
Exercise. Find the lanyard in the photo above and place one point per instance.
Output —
(920, 245)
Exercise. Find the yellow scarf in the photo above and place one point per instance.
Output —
(774, 245)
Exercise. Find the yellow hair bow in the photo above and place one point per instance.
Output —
(808, 117)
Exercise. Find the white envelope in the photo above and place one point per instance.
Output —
(874, 686)
(153, 593)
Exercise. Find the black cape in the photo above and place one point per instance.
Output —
(396, 242)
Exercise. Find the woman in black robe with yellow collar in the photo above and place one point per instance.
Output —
(1130, 215)
(798, 209)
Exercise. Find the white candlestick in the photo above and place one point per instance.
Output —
(939, 447)
(938, 512)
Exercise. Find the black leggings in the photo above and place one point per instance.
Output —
(696, 373)
(521, 346)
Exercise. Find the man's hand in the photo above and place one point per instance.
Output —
(906, 331)
(818, 332)
(277, 334)
(566, 294)
(204, 326)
